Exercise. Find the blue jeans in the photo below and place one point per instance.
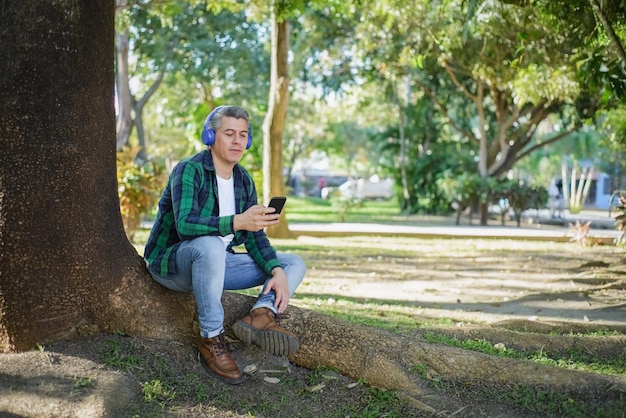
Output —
(204, 267)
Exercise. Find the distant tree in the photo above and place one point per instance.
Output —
(494, 85)
(599, 21)
(612, 145)
(281, 15)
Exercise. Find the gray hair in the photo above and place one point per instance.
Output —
(228, 111)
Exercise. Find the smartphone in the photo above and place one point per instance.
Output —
(277, 203)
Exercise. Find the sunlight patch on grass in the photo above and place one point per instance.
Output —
(384, 316)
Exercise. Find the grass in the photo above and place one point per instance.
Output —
(171, 386)
(573, 359)
(121, 356)
(315, 209)
(398, 317)
(318, 210)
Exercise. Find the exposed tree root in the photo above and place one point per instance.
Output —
(403, 363)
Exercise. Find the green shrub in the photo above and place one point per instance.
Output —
(521, 196)
(342, 205)
(138, 188)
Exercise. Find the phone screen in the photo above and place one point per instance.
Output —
(277, 203)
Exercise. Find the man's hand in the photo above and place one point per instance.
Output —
(280, 285)
(256, 218)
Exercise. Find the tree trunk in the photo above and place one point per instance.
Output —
(274, 123)
(127, 105)
(484, 213)
(138, 106)
(403, 154)
(124, 97)
(66, 266)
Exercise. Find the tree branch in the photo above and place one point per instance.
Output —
(617, 43)
(153, 88)
(444, 111)
(457, 83)
(547, 142)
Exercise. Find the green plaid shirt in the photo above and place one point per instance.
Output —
(189, 208)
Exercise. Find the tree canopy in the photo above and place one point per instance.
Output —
(406, 80)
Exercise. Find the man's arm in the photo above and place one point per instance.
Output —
(194, 219)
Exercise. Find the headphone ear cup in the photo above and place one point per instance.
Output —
(208, 136)
(249, 144)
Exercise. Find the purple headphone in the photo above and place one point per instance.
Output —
(208, 134)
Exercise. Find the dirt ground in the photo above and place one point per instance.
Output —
(478, 281)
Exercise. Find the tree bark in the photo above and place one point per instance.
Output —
(274, 123)
(124, 97)
(66, 266)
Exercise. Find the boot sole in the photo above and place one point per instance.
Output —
(218, 377)
(274, 342)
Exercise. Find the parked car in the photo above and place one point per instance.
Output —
(372, 188)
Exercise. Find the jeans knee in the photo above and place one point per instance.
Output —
(294, 267)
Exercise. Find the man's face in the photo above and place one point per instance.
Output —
(230, 140)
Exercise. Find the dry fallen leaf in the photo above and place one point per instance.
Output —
(317, 388)
(249, 369)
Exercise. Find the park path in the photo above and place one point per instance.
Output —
(542, 228)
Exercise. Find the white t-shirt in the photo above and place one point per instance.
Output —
(226, 194)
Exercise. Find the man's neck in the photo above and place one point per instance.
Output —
(222, 169)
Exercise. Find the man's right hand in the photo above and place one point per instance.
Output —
(257, 217)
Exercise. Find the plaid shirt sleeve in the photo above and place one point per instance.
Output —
(194, 205)
(261, 251)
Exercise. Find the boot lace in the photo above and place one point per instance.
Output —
(279, 317)
(218, 344)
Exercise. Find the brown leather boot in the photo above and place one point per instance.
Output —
(261, 328)
(217, 360)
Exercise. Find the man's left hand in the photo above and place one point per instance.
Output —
(280, 285)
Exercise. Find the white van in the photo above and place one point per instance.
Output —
(372, 188)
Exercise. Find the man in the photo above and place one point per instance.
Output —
(208, 207)
(555, 199)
